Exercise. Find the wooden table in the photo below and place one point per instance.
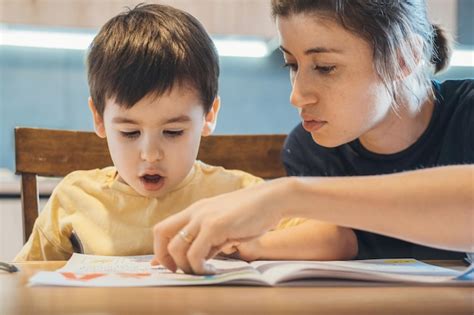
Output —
(17, 298)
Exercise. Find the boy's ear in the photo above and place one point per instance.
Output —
(98, 119)
(210, 120)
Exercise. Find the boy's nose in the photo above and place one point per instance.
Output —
(151, 152)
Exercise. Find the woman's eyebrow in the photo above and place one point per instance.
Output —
(314, 50)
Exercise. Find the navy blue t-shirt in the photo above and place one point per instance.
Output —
(448, 140)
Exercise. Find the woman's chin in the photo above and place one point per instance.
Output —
(326, 142)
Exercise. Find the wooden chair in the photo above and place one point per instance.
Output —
(55, 153)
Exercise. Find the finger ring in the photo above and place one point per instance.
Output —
(185, 236)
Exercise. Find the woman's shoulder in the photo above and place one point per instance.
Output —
(455, 93)
(455, 102)
(462, 84)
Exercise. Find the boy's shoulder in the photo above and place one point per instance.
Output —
(84, 178)
(218, 175)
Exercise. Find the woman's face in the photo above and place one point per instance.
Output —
(334, 84)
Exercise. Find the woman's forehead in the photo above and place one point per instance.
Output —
(300, 33)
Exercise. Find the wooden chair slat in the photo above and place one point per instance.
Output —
(29, 203)
(256, 154)
(58, 152)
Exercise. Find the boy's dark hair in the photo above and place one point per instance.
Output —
(388, 25)
(147, 50)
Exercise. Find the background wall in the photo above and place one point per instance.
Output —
(465, 29)
(48, 88)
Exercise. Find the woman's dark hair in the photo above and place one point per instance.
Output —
(147, 50)
(399, 32)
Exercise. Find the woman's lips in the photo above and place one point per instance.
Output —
(313, 125)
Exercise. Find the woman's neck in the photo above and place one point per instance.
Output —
(399, 130)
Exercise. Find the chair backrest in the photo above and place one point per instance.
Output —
(55, 153)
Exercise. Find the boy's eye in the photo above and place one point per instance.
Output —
(173, 133)
(130, 134)
(324, 69)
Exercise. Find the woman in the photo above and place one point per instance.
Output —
(385, 149)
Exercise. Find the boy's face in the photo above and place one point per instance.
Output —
(154, 144)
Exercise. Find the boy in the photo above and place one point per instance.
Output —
(153, 77)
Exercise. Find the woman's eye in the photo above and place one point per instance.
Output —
(130, 134)
(292, 66)
(173, 133)
(325, 69)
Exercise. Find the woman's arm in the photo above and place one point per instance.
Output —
(434, 207)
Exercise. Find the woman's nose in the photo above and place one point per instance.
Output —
(302, 92)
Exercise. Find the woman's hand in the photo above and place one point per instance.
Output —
(248, 251)
(187, 239)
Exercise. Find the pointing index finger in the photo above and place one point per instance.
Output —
(203, 247)
(163, 232)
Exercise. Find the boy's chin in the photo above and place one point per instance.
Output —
(151, 189)
(152, 194)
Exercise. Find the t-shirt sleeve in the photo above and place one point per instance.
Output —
(47, 240)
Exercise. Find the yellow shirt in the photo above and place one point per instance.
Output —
(107, 217)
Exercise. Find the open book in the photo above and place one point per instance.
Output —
(132, 271)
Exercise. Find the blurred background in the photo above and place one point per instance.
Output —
(43, 80)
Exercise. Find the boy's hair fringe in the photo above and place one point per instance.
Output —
(147, 50)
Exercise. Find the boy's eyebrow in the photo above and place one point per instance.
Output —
(181, 118)
(124, 120)
(314, 50)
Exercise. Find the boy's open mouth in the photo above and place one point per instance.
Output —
(152, 182)
(152, 179)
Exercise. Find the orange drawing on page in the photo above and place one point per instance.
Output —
(134, 275)
(84, 277)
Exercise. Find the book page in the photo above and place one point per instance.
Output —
(80, 263)
(389, 270)
(109, 271)
(129, 271)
